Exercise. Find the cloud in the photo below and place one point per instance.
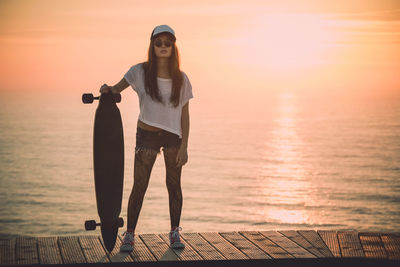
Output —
(372, 27)
(381, 15)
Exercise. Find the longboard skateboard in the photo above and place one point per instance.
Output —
(108, 161)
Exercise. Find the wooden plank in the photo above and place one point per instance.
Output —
(287, 244)
(7, 251)
(140, 252)
(350, 245)
(314, 238)
(159, 248)
(372, 245)
(93, 249)
(187, 254)
(26, 250)
(331, 241)
(71, 251)
(266, 245)
(301, 241)
(205, 249)
(245, 246)
(48, 250)
(228, 250)
(391, 242)
(116, 255)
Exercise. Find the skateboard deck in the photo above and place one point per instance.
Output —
(108, 163)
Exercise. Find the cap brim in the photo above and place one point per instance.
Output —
(167, 33)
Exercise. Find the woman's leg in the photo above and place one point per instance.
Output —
(144, 162)
(173, 181)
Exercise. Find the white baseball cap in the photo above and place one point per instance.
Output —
(162, 29)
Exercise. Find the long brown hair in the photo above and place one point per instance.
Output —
(150, 73)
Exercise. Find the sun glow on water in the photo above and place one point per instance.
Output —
(284, 183)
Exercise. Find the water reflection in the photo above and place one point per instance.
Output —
(284, 187)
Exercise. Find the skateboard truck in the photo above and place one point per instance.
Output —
(89, 98)
(92, 224)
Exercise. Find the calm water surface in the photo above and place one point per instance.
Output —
(277, 162)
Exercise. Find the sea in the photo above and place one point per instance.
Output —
(260, 162)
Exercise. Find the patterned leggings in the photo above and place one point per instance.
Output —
(144, 161)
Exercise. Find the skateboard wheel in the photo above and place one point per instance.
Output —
(120, 222)
(90, 225)
(87, 98)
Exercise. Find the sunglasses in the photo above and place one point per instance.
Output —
(159, 43)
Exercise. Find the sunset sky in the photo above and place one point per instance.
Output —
(348, 46)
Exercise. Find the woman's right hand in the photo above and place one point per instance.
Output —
(105, 88)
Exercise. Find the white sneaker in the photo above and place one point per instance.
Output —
(175, 239)
(127, 242)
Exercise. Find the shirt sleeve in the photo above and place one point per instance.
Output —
(187, 93)
(130, 77)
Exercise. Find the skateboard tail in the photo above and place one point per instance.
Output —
(109, 234)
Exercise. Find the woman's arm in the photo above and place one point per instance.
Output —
(118, 88)
(185, 125)
(182, 156)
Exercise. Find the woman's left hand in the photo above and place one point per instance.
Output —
(182, 157)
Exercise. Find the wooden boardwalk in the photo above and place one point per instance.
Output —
(247, 248)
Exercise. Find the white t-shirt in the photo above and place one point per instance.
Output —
(162, 115)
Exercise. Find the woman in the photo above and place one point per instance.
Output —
(164, 92)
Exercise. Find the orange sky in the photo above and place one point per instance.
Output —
(344, 46)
